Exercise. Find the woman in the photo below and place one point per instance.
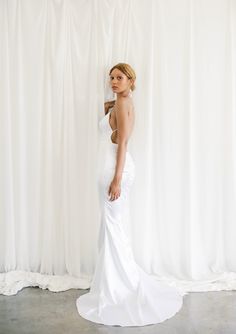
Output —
(121, 293)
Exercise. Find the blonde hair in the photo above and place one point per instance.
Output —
(127, 70)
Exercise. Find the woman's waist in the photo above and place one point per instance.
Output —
(111, 158)
(110, 148)
(113, 147)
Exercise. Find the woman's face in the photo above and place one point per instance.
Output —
(119, 81)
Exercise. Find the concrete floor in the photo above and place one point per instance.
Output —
(37, 311)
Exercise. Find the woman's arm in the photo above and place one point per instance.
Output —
(122, 132)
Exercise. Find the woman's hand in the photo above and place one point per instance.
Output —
(114, 190)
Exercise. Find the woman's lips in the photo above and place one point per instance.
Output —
(114, 87)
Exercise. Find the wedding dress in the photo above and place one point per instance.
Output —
(121, 292)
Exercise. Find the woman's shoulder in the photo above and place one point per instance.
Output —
(125, 102)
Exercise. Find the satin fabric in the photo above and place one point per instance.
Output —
(121, 293)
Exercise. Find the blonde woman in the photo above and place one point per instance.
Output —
(121, 293)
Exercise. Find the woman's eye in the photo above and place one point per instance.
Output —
(111, 78)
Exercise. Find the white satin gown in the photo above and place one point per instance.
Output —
(121, 292)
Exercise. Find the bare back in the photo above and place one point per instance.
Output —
(113, 119)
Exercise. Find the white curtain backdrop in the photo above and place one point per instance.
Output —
(55, 57)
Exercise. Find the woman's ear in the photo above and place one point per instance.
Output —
(132, 83)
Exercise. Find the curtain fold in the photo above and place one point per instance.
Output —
(55, 57)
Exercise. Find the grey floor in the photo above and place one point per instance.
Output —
(34, 310)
